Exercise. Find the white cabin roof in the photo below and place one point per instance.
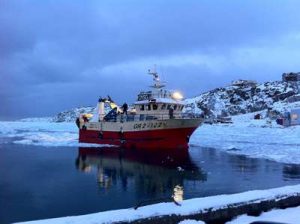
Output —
(160, 100)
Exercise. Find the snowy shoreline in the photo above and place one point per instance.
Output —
(187, 208)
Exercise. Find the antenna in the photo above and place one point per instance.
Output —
(154, 73)
(156, 79)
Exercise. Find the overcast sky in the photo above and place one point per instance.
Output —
(56, 55)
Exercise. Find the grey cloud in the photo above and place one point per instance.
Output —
(58, 50)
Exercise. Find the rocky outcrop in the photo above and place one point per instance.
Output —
(71, 115)
(241, 99)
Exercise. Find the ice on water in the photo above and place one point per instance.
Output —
(254, 138)
(246, 136)
(48, 134)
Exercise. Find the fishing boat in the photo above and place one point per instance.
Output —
(155, 121)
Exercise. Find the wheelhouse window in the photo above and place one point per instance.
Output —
(175, 107)
(168, 107)
(154, 106)
(142, 107)
(148, 107)
(163, 106)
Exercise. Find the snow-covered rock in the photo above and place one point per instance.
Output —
(71, 115)
(241, 99)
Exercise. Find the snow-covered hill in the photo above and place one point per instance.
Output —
(240, 98)
(274, 97)
(71, 115)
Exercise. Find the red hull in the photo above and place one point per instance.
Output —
(166, 138)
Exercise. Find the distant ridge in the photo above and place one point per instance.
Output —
(241, 97)
(71, 115)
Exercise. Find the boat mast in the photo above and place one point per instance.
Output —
(157, 86)
(157, 83)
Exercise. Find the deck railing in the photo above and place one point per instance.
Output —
(149, 117)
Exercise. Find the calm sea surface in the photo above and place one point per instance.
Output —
(45, 182)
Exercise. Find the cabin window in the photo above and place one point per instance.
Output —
(142, 107)
(175, 107)
(168, 107)
(154, 106)
(163, 106)
(148, 107)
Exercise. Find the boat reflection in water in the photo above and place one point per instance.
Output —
(147, 174)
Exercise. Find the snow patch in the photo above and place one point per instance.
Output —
(289, 215)
(190, 221)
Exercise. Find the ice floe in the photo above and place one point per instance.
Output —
(43, 134)
(254, 138)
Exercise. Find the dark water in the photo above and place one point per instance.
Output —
(39, 182)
